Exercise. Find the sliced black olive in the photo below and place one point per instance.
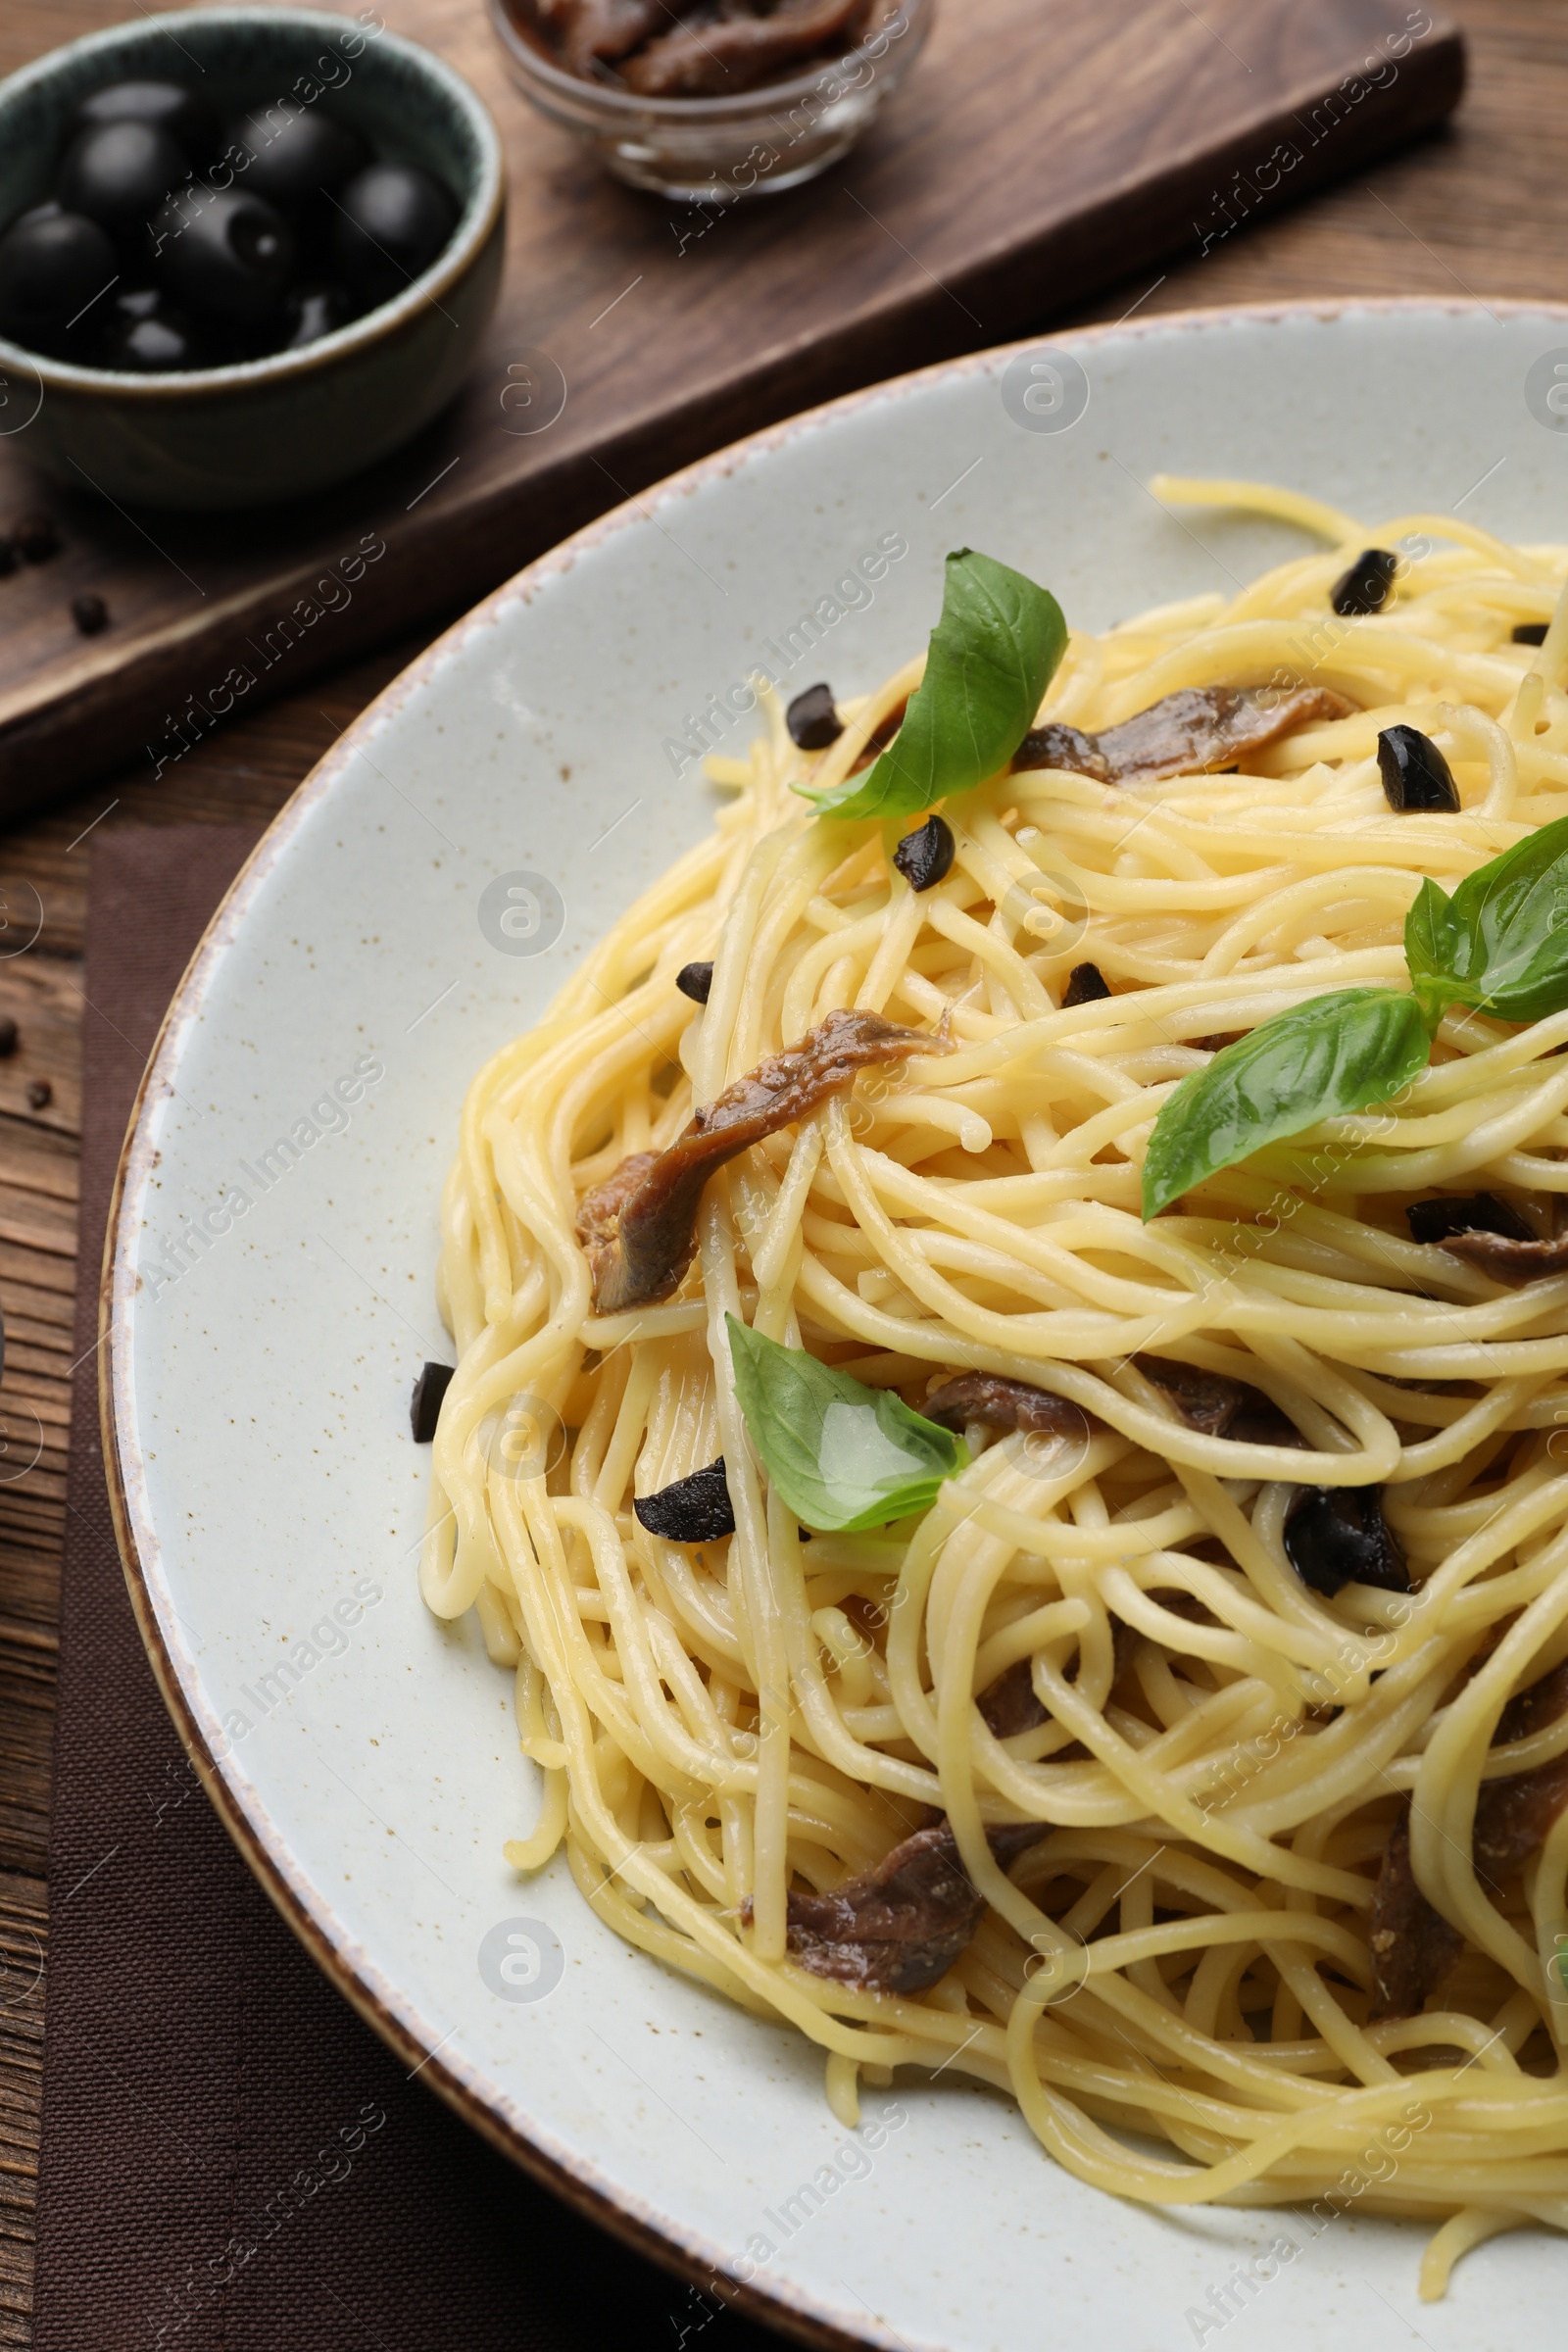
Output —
(89, 613)
(924, 858)
(1414, 773)
(119, 174)
(182, 115)
(388, 224)
(812, 719)
(227, 255)
(51, 272)
(694, 980)
(160, 343)
(1085, 984)
(1469, 1212)
(1338, 1536)
(1367, 586)
(694, 1511)
(428, 1391)
(297, 159)
(1529, 632)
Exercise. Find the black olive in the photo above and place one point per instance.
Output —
(163, 342)
(37, 537)
(812, 719)
(297, 159)
(1338, 1536)
(390, 223)
(50, 269)
(1529, 632)
(120, 175)
(182, 115)
(227, 255)
(137, 302)
(314, 311)
(694, 980)
(694, 1511)
(1414, 773)
(1367, 586)
(89, 613)
(428, 1391)
(1470, 1213)
(1085, 984)
(925, 857)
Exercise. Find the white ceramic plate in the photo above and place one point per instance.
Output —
(259, 1399)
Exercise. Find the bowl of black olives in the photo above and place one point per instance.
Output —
(242, 258)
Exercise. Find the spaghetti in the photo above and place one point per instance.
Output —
(1182, 1803)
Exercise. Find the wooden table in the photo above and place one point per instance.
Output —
(1482, 209)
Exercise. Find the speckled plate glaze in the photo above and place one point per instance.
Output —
(260, 1358)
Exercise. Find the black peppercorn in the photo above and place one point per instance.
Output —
(1367, 586)
(812, 719)
(925, 857)
(1414, 773)
(36, 537)
(90, 614)
(694, 980)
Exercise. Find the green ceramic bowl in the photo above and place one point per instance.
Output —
(296, 421)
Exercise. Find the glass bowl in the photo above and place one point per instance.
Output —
(721, 150)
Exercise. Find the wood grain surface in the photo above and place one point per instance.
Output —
(1482, 209)
(1033, 152)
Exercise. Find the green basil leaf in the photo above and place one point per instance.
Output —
(1336, 1053)
(992, 654)
(1433, 945)
(842, 1457)
(1500, 943)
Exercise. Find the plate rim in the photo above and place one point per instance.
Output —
(660, 2237)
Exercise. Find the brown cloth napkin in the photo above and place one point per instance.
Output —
(231, 2162)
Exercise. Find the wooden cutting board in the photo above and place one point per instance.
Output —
(1040, 149)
